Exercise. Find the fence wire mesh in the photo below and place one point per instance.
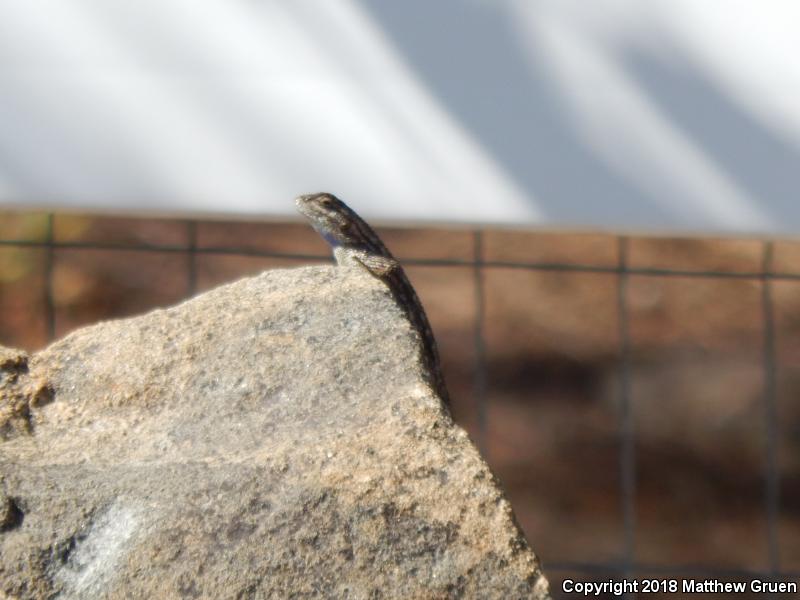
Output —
(485, 278)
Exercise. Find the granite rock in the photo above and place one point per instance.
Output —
(272, 438)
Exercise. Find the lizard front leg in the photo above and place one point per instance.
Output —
(377, 265)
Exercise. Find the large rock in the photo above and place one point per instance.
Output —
(272, 438)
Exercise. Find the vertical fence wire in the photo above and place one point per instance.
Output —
(49, 299)
(627, 458)
(191, 283)
(771, 475)
(481, 368)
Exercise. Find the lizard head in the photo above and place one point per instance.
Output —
(331, 217)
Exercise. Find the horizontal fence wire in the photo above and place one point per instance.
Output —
(428, 262)
(627, 460)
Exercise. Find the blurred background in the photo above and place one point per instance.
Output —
(595, 201)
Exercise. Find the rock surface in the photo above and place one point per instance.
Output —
(272, 438)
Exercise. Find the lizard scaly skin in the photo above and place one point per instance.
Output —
(354, 243)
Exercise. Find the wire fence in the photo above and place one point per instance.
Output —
(627, 460)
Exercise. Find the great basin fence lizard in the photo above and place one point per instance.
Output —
(354, 243)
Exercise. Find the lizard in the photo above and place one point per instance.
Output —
(355, 243)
